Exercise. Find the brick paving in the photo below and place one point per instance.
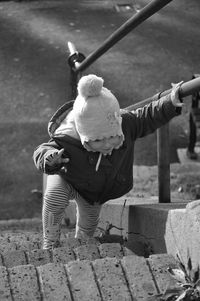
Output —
(78, 270)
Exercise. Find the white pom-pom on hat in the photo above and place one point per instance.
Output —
(90, 85)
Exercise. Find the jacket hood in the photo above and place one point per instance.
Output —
(58, 117)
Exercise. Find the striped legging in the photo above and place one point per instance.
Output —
(57, 195)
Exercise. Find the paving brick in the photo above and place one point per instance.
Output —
(16, 237)
(24, 283)
(110, 277)
(3, 240)
(89, 252)
(35, 238)
(53, 281)
(6, 246)
(111, 250)
(28, 246)
(22, 242)
(5, 294)
(139, 277)
(71, 242)
(82, 281)
(39, 257)
(158, 265)
(63, 255)
(90, 240)
(2, 235)
(14, 258)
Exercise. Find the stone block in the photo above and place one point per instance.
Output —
(6, 246)
(176, 234)
(39, 257)
(191, 234)
(82, 281)
(5, 293)
(17, 237)
(24, 283)
(28, 246)
(159, 264)
(53, 282)
(22, 241)
(139, 277)
(70, 242)
(89, 252)
(35, 238)
(111, 280)
(183, 237)
(14, 258)
(111, 250)
(63, 255)
(90, 240)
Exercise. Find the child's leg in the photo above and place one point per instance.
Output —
(87, 217)
(56, 198)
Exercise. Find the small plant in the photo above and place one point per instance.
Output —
(188, 284)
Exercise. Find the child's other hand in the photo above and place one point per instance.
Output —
(175, 94)
(56, 158)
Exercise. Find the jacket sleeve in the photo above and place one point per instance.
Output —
(152, 116)
(40, 154)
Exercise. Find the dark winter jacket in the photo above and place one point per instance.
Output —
(114, 177)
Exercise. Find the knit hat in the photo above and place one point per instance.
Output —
(96, 110)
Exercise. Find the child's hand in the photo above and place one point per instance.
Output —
(175, 94)
(56, 158)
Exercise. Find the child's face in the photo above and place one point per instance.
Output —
(106, 145)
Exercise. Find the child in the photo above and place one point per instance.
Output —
(90, 155)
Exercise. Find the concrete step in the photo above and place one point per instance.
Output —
(115, 279)
(26, 248)
(97, 269)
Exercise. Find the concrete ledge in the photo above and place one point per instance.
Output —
(151, 226)
(169, 228)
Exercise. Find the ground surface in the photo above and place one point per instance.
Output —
(34, 79)
(113, 271)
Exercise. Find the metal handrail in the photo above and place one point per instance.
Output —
(146, 12)
(186, 89)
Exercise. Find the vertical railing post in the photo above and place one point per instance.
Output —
(74, 60)
(163, 155)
